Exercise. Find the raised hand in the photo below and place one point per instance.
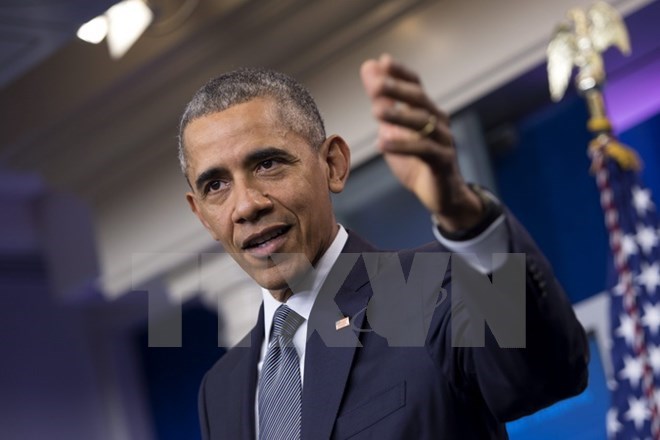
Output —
(414, 136)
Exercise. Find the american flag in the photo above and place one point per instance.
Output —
(632, 224)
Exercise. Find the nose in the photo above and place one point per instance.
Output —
(250, 203)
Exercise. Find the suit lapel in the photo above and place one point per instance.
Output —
(329, 352)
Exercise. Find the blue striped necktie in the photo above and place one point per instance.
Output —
(280, 387)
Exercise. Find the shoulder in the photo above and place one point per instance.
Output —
(357, 244)
(378, 260)
(228, 364)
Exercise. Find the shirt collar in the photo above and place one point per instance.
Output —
(302, 301)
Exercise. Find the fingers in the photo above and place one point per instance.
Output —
(410, 124)
(413, 133)
(393, 88)
(409, 93)
(379, 82)
(398, 70)
(440, 157)
(383, 67)
(391, 134)
(415, 119)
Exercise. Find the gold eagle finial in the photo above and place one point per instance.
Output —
(580, 42)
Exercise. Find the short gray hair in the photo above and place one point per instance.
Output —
(295, 104)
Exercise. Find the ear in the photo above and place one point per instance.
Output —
(337, 158)
(193, 203)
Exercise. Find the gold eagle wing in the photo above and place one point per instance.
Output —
(607, 28)
(561, 53)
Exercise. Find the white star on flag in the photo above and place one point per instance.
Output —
(626, 329)
(638, 411)
(649, 277)
(651, 318)
(628, 245)
(632, 370)
(642, 200)
(646, 238)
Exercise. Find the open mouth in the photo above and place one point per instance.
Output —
(264, 239)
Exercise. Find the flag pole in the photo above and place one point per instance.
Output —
(580, 43)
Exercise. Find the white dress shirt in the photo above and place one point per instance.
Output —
(479, 250)
(302, 301)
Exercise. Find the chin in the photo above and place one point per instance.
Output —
(273, 285)
(279, 277)
(271, 279)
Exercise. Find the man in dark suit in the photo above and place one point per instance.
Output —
(261, 170)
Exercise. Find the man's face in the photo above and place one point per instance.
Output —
(261, 189)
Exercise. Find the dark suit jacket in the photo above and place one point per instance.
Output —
(429, 391)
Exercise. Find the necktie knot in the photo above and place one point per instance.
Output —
(286, 322)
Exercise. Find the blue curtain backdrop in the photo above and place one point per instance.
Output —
(545, 181)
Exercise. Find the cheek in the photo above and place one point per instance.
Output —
(316, 212)
(225, 230)
(220, 227)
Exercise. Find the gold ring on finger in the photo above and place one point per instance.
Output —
(429, 127)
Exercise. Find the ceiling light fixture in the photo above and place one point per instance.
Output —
(122, 24)
(127, 20)
(94, 31)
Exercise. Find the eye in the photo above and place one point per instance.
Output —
(213, 186)
(268, 165)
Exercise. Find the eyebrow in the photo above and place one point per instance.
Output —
(211, 173)
(267, 153)
(254, 157)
